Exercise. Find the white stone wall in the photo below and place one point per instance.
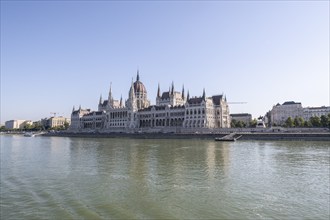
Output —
(280, 113)
(315, 111)
(58, 121)
(196, 116)
(14, 124)
(117, 118)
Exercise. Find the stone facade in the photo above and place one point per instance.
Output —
(173, 111)
(243, 117)
(280, 113)
(57, 121)
(309, 112)
(17, 124)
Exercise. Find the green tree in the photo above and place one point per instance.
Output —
(324, 121)
(301, 121)
(289, 122)
(253, 123)
(307, 124)
(66, 125)
(269, 118)
(28, 127)
(237, 124)
(233, 123)
(38, 127)
(315, 121)
(240, 124)
(298, 122)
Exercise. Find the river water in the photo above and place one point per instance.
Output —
(89, 178)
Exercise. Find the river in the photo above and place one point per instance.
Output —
(110, 178)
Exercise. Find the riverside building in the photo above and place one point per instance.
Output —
(174, 112)
(17, 124)
(280, 113)
(243, 117)
(315, 111)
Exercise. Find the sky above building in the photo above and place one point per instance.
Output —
(59, 54)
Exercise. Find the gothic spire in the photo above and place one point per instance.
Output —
(110, 94)
(182, 94)
(203, 94)
(172, 89)
(132, 102)
(121, 101)
(100, 102)
(188, 97)
(137, 76)
(158, 91)
(131, 91)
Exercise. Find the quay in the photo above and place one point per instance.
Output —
(272, 136)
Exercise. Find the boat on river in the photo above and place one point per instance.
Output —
(229, 137)
(29, 134)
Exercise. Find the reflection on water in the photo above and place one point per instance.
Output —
(91, 178)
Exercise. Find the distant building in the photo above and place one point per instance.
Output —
(173, 111)
(315, 111)
(243, 117)
(280, 113)
(17, 124)
(58, 121)
(54, 122)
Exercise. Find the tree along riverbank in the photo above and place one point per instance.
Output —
(274, 136)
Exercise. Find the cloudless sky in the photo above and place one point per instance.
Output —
(60, 54)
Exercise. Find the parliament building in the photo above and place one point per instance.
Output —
(174, 112)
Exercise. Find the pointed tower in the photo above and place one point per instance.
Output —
(158, 91)
(172, 89)
(132, 107)
(158, 96)
(131, 102)
(121, 101)
(137, 76)
(131, 94)
(110, 99)
(100, 101)
(188, 97)
(182, 94)
(204, 98)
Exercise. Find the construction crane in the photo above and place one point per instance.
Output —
(237, 103)
(54, 113)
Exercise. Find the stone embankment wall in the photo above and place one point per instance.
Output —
(303, 136)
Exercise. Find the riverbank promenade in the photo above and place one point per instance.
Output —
(246, 134)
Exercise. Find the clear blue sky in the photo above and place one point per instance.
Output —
(56, 54)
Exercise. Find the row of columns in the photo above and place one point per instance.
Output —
(161, 122)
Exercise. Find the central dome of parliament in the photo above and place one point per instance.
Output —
(138, 86)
